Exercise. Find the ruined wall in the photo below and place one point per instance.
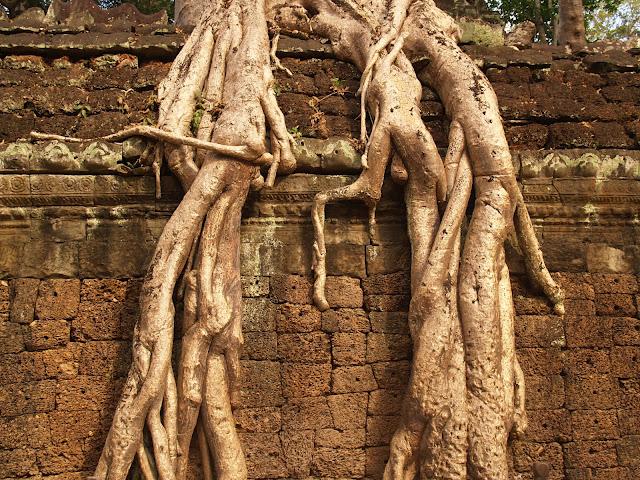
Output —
(320, 392)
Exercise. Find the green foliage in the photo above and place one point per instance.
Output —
(145, 6)
(621, 26)
(515, 11)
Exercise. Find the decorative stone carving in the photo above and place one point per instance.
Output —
(57, 156)
(99, 156)
(16, 156)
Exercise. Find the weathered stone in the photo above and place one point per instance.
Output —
(291, 318)
(45, 334)
(353, 379)
(380, 429)
(58, 299)
(349, 411)
(345, 320)
(304, 347)
(384, 347)
(305, 380)
(264, 455)
(306, 414)
(258, 315)
(260, 384)
(331, 438)
(338, 462)
(348, 348)
(343, 292)
(260, 346)
(259, 420)
(298, 451)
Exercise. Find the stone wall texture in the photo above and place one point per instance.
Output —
(320, 392)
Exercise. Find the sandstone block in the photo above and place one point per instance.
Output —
(85, 393)
(392, 375)
(49, 259)
(103, 290)
(629, 450)
(297, 446)
(291, 318)
(585, 361)
(304, 347)
(380, 429)
(602, 258)
(332, 438)
(25, 398)
(595, 424)
(525, 454)
(539, 331)
(389, 322)
(25, 431)
(260, 346)
(626, 331)
(255, 286)
(384, 347)
(385, 402)
(11, 338)
(45, 334)
(110, 359)
(306, 414)
(592, 391)
(594, 454)
(258, 315)
(291, 289)
(625, 362)
(339, 462)
(353, 379)
(346, 259)
(393, 283)
(260, 384)
(348, 348)
(349, 411)
(345, 320)
(58, 299)
(259, 420)
(589, 331)
(264, 455)
(78, 425)
(19, 462)
(549, 426)
(64, 457)
(305, 380)
(544, 392)
(614, 283)
(382, 259)
(615, 304)
(24, 293)
(629, 421)
(344, 292)
(575, 285)
(103, 321)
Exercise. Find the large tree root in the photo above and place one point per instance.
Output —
(465, 392)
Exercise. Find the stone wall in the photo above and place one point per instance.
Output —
(320, 392)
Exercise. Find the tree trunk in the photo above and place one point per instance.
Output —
(571, 29)
(465, 392)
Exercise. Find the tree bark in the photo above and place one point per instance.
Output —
(571, 29)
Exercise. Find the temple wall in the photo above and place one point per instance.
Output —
(320, 392)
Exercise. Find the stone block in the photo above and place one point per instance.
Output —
(260, 384)
(539, 331)
(24, 292)
(386, 303)
(258, 315)
(386, 347)
(382, 259)
(595, 424)
(585, 361)
(258, 420)
(306, 414)
(625, 362)
(338, 462)
(540, 361)
(575, 285)
(615, 304)
(389, 322)
(77, 425)
(20, 462)
(291, 289)
(614, 283)
(103, 290)
(392, 375)
(549, 426)
(332, 438)
(380, 429)
(58, 299)
(626, 331)
(103, 321)
(99, 258)
(347, 320)
(48, 259)
(353, 379)
(544, 392)
(593, 453)
(589, 331)
(11, 337)
(349, 411)
(85, 393)
(305, 380)
(393, 283)
(264, 455)
(304, 347)
(45, 334)
(260, 346)
(348, 348)
(579, 306)
(629, 450)
(385, 402)
(376, 461)
(26, 398)
(592, 391)
(629, 421)
(109, 359)
(616, 473)
(602, 258)
(292, 318)
(254, 286)
(25, 431)
(297, 446)
(525, 454)
(345, 259)
(343, 292)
